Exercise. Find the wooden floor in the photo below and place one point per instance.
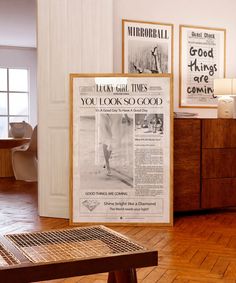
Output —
(199, 248)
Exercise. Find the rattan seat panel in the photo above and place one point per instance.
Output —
(72, 244)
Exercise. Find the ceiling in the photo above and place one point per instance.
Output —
(18, 23)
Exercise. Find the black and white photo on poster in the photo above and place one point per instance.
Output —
(121, 175)
(147, 57)
(202, 59)
(147, 47)
(149, 124)
(115, 145)
(106, 142)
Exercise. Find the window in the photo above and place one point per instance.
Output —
(14, 98)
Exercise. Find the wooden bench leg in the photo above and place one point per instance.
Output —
(123, 276)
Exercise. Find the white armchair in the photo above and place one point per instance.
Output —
(25, 160)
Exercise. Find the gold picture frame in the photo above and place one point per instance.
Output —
(202, 57)
(116, 199)
(147, 47)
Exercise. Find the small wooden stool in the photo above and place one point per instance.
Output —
(54, 254)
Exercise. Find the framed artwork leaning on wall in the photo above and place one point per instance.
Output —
(201, 60)
(121, 141)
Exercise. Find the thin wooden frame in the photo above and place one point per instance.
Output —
(165, 80)
(159, 35)
(202, 57)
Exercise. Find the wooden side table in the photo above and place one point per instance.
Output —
(5, 154)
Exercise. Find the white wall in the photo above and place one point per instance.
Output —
(17, 57)
(211, 13)
(18, 23)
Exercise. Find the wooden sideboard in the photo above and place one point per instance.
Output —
(5, 155)
(204, 163)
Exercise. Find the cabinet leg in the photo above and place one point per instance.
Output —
(123, 276)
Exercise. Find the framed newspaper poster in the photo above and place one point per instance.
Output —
(147, 47)
(202, 59)
(121, 149)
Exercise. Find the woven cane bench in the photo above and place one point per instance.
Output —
(39, 256)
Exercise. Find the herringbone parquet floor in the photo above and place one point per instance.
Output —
(199, 248)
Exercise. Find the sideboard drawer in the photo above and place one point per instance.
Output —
(219, 163)
(187, 151)
(218, 133)
(218, 192)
